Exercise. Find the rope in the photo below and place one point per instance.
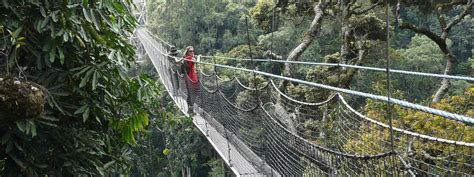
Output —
(466, 78)
(389, 90)
(426, 137)
(445, 114)
(251, 57)
(418, 107)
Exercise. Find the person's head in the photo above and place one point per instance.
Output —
(189, 50)
(173, 49)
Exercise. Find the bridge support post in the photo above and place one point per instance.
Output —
(228, 146)
(205, 123)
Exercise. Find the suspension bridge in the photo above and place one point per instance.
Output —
(258, 130)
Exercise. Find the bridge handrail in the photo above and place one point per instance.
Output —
(401, 130)
(426, 109)
(466, 78)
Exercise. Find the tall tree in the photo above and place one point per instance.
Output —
(318, 10)
(439, 9)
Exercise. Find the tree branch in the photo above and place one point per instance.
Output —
(346, 81)
(428, 156)
(354, 12)
(307, 39)
(272, 55)
(437, 39)
(459, 17)
(441, 20)
(453, 3)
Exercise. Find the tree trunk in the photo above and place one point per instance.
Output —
(322, 133)
(440, 41)
(350, 73)
(345, 50)
(307, 39)
(345, 43)
(445, 83)
(188, 169)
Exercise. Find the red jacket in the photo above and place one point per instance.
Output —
(192, 72)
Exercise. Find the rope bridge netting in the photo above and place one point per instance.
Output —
(270, 128)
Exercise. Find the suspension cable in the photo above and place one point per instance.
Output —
(466, 78)
(271, 39)
(457, 117)
(389, 90)
(251, 58)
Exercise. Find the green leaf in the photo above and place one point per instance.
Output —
(95, 20)
(43, 24)
(17, 32)
(86, 78)
(85, 3)
(85, 114)
(20, 126)
(66, 37)
(42, 11)
(67, 164)
(17, 161)
(6, 137)
(33, 129)
(52, 55)
(71, 6)
(87, 14)
(119, 7)
(47, 123)
(108, 164)
(49, 118)
(41, 165)
(54, 16)
(9, 147)
(81, 109)
(106, 18)
(81, 42)
(18, 146)
(6, 4)
(94, 80)
(61, 56)
(39, 63)
(111, 55)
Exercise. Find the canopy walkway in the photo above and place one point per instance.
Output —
(259, 131)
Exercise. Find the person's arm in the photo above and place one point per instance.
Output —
(198, 59)
(177, 60)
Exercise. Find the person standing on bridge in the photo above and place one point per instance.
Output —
(192, 81)
(189, 64)
(173, 55)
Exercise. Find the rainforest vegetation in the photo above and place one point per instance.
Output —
(76, 100)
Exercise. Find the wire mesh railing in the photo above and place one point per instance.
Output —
(297, 138)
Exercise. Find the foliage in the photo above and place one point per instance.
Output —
(262, 15)
(77, 53)
(220, 28)
(368, 25)
(426, 123)
(173, 143)
(208, 25)
(420, 53)
(471, 61)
